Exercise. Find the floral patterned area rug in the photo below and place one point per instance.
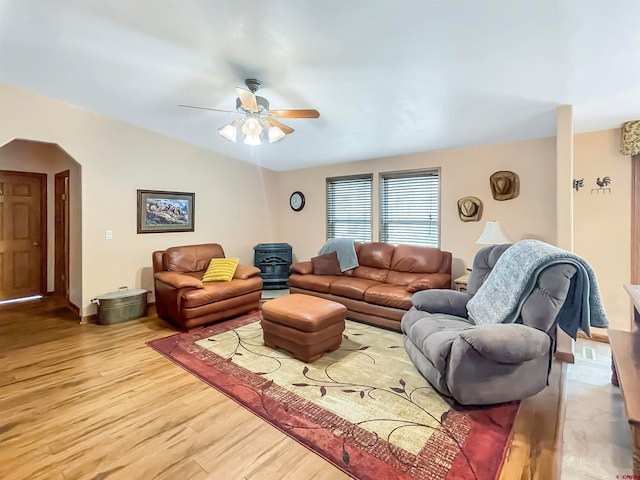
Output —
(364, 408)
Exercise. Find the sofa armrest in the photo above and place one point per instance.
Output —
(442, 301)
(303, 268)
(507, 342)
(178, 280)
(246, 271)
(429, 281)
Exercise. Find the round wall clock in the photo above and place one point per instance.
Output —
(296, 201)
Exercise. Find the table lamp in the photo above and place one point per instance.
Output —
(493, 235)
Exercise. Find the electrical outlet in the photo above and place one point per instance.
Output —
(108, 235)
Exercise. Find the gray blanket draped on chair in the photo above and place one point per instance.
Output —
(500, 298)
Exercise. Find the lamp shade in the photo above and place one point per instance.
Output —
(229, 132)
(251, 127)
(275, 134)
(493, 235)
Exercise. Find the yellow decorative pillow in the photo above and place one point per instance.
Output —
(220, 270)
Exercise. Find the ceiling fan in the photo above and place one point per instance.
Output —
(258, 119)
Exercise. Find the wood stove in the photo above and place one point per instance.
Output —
(273, 260)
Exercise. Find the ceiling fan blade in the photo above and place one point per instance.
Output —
(281, 126)
(210, 109)
(247, 98)
(294, 113)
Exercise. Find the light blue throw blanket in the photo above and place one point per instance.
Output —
(345, 249)
(500, 298)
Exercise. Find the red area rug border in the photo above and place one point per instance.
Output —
(362, 465)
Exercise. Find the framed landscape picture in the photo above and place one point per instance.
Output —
(160, 212)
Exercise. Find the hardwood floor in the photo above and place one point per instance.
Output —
(94, 402)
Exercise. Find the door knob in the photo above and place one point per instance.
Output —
(36, 244)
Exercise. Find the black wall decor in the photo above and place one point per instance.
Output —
(603, 185)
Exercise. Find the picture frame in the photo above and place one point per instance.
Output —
(161, 211)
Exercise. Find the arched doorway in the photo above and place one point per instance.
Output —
(61, 248)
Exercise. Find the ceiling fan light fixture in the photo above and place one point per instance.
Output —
(253, 140)
(230, 132)
(251, 127)
(275, 134)
(258, 119)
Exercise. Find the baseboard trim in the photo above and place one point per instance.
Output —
(73, 307)
(596, 337)
(87, 319)
(93, 318)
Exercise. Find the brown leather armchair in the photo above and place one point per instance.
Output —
(184, 300)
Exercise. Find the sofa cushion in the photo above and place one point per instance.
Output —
(376, 255)
(507, 343)
(246, 271)
(191, 258)
(417, 259)
(315, 283)
(425, 367)
(543, 305)
(402, 278)
(370, 273)
(433, 334)
(438, 300)
(220, 270)
(351, 287)
(326, 264)
(395, 296)
(303, 268)
(217, 291)
(430, 281)
(179, 280)
(483, 263)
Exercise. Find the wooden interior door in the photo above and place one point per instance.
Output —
(23, 268)
(61, 270)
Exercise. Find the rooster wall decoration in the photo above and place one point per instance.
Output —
(603, 185)
(578, 184)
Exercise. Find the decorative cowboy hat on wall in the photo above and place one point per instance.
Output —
(505, 185)
(470, 209)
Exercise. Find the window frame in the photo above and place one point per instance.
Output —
(383, 227)
(346, 178)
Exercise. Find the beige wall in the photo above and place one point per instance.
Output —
(47, 158)
(463, 172)
(117, 159)
(602, 221)
(240, 205)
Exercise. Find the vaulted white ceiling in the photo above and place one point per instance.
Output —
(388, 77)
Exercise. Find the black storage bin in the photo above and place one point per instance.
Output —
(273, 260)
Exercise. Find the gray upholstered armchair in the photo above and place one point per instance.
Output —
(488, 363)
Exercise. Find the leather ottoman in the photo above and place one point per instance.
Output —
(303, 325)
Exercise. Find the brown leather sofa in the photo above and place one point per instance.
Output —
(184, 300)
(379, 290)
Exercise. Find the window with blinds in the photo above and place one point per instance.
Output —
(410, 208)
(349, 207)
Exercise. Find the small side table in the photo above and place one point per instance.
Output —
(461, 282)
(634, 294)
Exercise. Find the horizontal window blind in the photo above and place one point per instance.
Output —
(349, 207)
(410, 208)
